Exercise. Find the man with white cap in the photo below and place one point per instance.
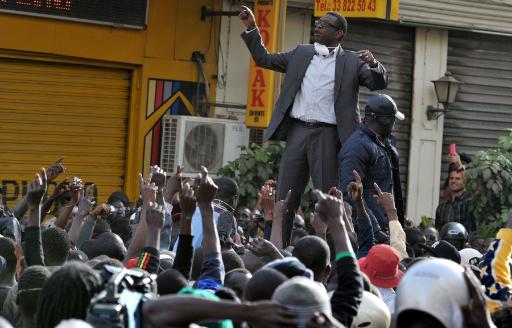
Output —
(371, 151)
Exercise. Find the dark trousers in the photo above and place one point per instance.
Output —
(310, 152)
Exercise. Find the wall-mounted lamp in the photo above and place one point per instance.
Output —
(447, 88)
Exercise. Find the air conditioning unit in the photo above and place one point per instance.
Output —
(191, 141)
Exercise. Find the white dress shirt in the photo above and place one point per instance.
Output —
(314, 101)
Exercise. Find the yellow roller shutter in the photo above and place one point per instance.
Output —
(49, 110)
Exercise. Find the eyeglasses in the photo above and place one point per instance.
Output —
(323, 24)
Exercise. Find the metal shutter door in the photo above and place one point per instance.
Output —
(483, 109)
(393, 46)
(49, 110)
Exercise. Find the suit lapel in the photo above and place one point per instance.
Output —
(338, 72)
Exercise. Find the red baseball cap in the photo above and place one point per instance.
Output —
(381, 265)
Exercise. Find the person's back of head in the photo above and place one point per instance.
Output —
(373, 312)
(502, 317)
(66, 294)
(107, 243)
(122, 228)
(297, 235)
(170, 282)
(303, 297)
(315, 254)
(9, 260)
(431, 294)
(263, 284)
(227, 192)
(231, 260)
(77, 255)
(29, 288)
(237, 280)
(55, 246)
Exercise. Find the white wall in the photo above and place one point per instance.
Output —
(431, 54)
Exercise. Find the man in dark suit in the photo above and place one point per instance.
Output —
(317, 109)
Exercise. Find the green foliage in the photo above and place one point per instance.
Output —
(255, 165)
(426, 222)
(489, 187)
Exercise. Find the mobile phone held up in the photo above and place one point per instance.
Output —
(453, 149)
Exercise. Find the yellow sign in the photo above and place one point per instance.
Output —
(260, 97)
(382, 9)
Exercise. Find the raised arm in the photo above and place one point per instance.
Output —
(372, 74)
(348, 294)
(396, 232)
(278, 61)
(33, 245)
(148, 190)
(185, 250)
(365, 237)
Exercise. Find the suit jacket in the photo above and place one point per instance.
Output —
(351, 72)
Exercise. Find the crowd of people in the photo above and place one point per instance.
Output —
(187, 253)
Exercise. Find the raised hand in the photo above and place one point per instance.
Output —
(101, 210)
(173, 185)
(247, 18)
(267, 198)
(77, 188)
(355, 188)
(334, 192)
(330, 209)
(318, 225)
(261, 247)
(187, 201)
(55, 169)
(206, 189)
(384, 199)
(148, 190)
(281, 207)
(367, 57)
(158, 177)
(36, 190)
(84, 206)
(155, 216)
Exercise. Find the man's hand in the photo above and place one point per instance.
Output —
(37, 190)
(247, 18)
(355, 189)
(187, 201)
(318, 225)
(148, 190)
(173, 185)
(367, 57)
(158, 177)
(101, 210)
(281, 207)
(261, 247)
(384, 199)
(267, 199)
(330, 209)
(54, 170)
(335, 192)
(206, 190)
(155, 216)
(84, 207)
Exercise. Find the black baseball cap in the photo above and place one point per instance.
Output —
(445, 250)
(382, 104)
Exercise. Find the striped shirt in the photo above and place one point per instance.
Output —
(454, 210)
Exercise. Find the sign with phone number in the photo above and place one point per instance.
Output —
(380, 9)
